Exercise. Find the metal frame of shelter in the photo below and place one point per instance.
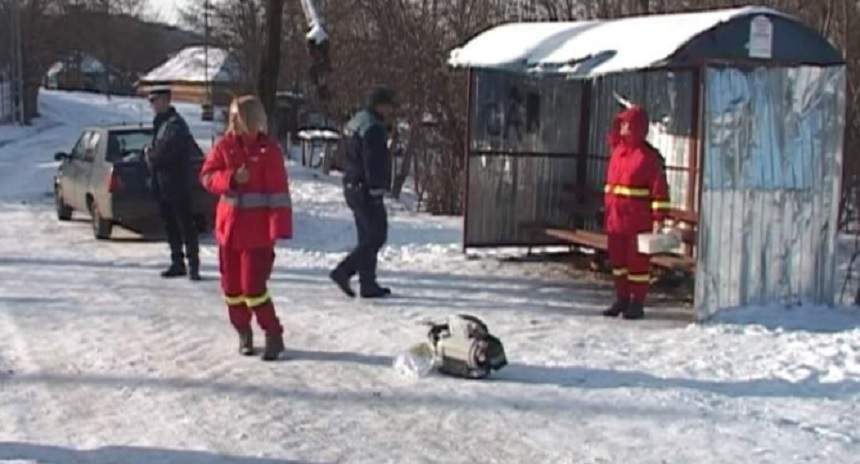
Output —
(727, 133)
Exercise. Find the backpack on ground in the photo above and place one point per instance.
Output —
(464, 347)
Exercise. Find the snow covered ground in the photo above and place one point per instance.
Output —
(102, 361)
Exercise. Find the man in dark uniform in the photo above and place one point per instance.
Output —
(169, 160)
(367, 176)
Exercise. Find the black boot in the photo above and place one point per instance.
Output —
(194, 270)
(617, 308)
(274, 346)
(636, 310)
(342, 280)
(246, 342)
(374, 291)
(177, 269)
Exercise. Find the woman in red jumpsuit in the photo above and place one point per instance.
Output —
(636, 201)
(246, 168)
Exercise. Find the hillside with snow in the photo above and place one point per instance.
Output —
(101, 361)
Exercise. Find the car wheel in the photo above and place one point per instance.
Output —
(101, 227)
(64, 211)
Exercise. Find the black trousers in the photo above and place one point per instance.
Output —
(371, 225)
(181, 229)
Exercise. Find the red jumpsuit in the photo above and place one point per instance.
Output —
(249, 219)
(636, 196)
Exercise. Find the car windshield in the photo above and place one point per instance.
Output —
(127, 145)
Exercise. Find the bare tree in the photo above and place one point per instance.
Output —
(271, 62)
(238, 26)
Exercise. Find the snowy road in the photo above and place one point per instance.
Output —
(101, 361)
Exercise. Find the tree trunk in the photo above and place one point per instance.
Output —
(405, 161)
(271, 63)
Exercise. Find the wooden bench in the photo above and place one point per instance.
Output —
(593, 240)
(599, 242)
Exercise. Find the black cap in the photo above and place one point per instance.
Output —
(159, 91)
(381, 96)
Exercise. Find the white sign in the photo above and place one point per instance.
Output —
(761, 38)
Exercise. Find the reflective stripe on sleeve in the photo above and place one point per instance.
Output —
(624, 191)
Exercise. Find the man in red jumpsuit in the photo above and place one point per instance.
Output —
(246, 168)
(636, 201)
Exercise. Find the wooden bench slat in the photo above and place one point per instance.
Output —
(581, 237)
(599, 241)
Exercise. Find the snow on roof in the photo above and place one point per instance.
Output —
(189, 65)
(88, 64)
(591, 47)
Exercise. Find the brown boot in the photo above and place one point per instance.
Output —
(274, 346)
(246, 342)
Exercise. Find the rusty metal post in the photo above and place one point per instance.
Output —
(583, 195)
(467, 150)
(694, 181)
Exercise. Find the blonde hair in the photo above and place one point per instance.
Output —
(247, 116)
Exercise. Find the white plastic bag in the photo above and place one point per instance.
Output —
(662, 242)
(416, 362)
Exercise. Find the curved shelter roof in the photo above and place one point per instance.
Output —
(590, 48)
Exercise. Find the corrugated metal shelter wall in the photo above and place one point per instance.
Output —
(525, 134)
(6, 107)
(668, 98)
(525, 147)
(771, 180)
(512, 197)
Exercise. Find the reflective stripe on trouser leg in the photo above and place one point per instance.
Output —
(230, 265)
(617, 247)
(256, 269)
(639, 277)
(234, 300)
(253, 301)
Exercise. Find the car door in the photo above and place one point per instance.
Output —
(90, 180)
(72, 171)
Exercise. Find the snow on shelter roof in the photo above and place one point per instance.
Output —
(592, 47)
(190, 65)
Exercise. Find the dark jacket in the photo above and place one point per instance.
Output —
(169, 160)
(367, 159)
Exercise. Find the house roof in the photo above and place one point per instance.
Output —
(190, 65)
(88, 64)
(587, 48)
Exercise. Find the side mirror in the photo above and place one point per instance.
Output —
(60, 156)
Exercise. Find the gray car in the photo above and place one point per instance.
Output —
(105, 176)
